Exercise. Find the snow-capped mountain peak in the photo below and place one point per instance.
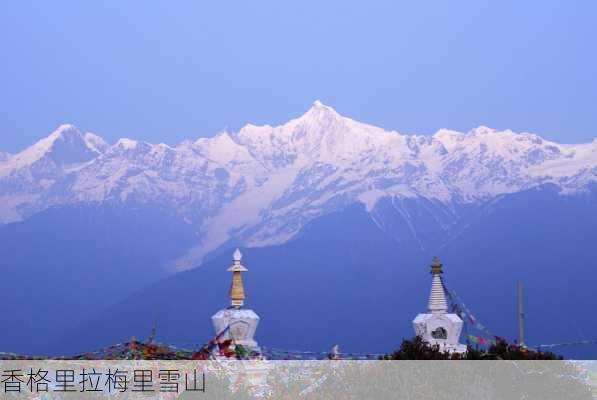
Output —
(65, 146)
(319, 111)
(63, 131)
(65, 134)
(319, 135)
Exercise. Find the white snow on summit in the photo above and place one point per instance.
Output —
(262, 184)
(65, 146)
(95, 143)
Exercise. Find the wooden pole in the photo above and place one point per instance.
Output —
(520, 312)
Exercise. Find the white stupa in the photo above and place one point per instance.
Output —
(243, 322)
(437, 326)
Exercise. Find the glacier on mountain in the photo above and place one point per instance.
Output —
(262, 184)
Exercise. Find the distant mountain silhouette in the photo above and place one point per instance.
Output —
(69, 263)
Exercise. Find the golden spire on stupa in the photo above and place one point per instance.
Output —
(237, 291)
(436, 266)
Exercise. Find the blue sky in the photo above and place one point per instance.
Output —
(165, 71)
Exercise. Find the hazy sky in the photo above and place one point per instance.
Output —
(169, 70)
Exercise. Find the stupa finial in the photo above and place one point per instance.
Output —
(436, 266)
(237, 290)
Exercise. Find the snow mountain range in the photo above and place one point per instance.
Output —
(261, 185)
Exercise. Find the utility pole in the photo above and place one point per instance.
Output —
(520, 313)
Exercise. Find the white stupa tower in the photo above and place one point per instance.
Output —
(243, 322)
(437, 326)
